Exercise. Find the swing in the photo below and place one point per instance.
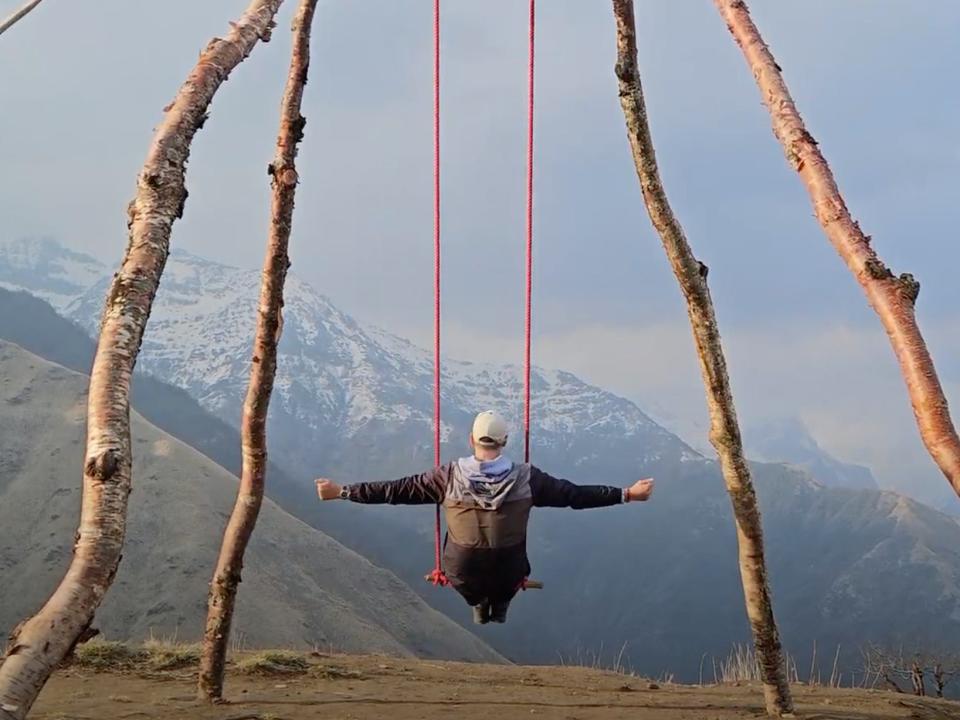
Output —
(437, 576)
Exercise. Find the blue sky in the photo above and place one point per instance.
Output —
(875, 81)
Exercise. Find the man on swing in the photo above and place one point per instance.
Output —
(486, 499)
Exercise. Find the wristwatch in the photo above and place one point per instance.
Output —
(625, 495)
(345, 492)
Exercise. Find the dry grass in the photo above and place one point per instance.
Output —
(334, 672)
(171, 654)
(154, 655)
(596, 660)
(743, 666)
(274, 662)
(109, 655)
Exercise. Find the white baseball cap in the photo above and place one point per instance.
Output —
(489, 430)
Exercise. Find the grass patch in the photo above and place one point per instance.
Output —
(332, 672)
(274, 662)
(109, 655)
(171, 655)
(154, 655)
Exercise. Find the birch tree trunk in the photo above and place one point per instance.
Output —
(38, 645)
(223, 588)
(724, 430)
(893, 298)
(17, 15)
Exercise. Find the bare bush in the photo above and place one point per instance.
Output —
(904, 672)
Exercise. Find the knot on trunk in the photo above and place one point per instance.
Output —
(799, 142)
(626, 72)
(296, 128)
(703, 270)
(287, 177)
(13, 644)
(230, 578)
(182, 202)
(103, 466)
(877, 270)
(909, 287)
(268, 32)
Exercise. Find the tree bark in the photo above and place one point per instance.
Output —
(18, 15)
(43, 641)
(724, 429)
(893, 298)
(227, 576)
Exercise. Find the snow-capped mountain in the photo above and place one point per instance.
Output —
(339, 380)
(48, 270)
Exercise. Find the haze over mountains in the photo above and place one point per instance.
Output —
(847, 565)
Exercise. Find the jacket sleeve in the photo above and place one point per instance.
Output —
(427, 488)
(549, 491)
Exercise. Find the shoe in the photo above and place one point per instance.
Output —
(498, 612)
(481, 613)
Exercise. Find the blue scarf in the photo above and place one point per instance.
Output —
(488, 482)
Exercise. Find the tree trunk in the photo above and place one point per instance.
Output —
(223, 588)
(17, 16)
(42, 642)
(916, 678)
(724, 430)
(893, 298)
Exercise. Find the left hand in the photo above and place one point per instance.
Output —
(327, 489)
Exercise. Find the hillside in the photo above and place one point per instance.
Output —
(372, 688)
(300, 587)
(34, 325)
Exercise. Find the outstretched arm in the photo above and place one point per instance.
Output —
(549, 491)
(426, 488)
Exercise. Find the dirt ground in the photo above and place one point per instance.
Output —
(363, 687)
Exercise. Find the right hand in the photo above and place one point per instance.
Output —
(327, 489)
(641, 490)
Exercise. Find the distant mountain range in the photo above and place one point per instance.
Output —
(847, 565)
(788, 440)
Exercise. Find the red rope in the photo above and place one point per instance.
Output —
(436, 231)
(437, 577)
(529, 293)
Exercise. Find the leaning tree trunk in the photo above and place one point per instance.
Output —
(226, 577)
(893, 298)
(724, 430)
(17, 15)
(43, 641)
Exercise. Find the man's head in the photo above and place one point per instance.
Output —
(489, 434)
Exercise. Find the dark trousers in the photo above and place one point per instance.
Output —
(491, 574)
